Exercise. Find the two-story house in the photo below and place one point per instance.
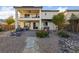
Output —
(36, 18)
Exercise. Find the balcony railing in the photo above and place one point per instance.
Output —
(31, 17)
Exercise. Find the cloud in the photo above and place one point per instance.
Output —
(62, 8)
(6, 8)
(5, 12)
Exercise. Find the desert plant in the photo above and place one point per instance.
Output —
(63, 34)
(1, 30)
(42, 34)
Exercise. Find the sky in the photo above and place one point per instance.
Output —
(6, 11)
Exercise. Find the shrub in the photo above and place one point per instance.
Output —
(1, 29)
(63, 34)
(41, 34)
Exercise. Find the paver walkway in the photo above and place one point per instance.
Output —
(31, 42)
(31, 45)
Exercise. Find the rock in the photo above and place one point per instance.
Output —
(70, 44)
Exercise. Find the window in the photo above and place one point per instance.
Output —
(46, 23)
(26, 15)
(45, 13)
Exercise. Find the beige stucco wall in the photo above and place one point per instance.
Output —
(21, 23)
(48, 15)
(51, 25)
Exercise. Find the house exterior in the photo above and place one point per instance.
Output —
(36, 18)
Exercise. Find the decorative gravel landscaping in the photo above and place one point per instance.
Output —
(69, 45)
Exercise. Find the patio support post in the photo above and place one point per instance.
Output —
(16, 19)
(40, 20)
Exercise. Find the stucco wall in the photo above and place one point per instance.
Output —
(48, 15)
(51, 25)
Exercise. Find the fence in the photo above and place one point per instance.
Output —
(7, 27)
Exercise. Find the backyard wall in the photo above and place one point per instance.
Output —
(6, 27)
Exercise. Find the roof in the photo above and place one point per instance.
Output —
(58, 10)
(72, 10)
(43, 10)
(27, 6)
(50, 10)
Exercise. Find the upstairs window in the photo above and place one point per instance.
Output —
(26, 15)
(45, 13)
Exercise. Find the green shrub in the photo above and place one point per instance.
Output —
(1, 29)
(63, 34)
(42, 34)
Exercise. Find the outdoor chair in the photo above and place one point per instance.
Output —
(18, 32)
(26, 28)
(13, 34)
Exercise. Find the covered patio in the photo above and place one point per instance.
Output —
(31, 24)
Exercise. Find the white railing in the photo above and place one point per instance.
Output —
(30, 17)
(23, 18)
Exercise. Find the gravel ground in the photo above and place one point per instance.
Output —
(12, 44)
(49, 45)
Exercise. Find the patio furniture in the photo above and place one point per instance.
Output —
(15, 33)
(26, 28)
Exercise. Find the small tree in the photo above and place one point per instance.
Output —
(59, 20)
(10, 20)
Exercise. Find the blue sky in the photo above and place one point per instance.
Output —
(57, 7)
(6, 11)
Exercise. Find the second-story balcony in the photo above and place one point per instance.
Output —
(29, 18)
